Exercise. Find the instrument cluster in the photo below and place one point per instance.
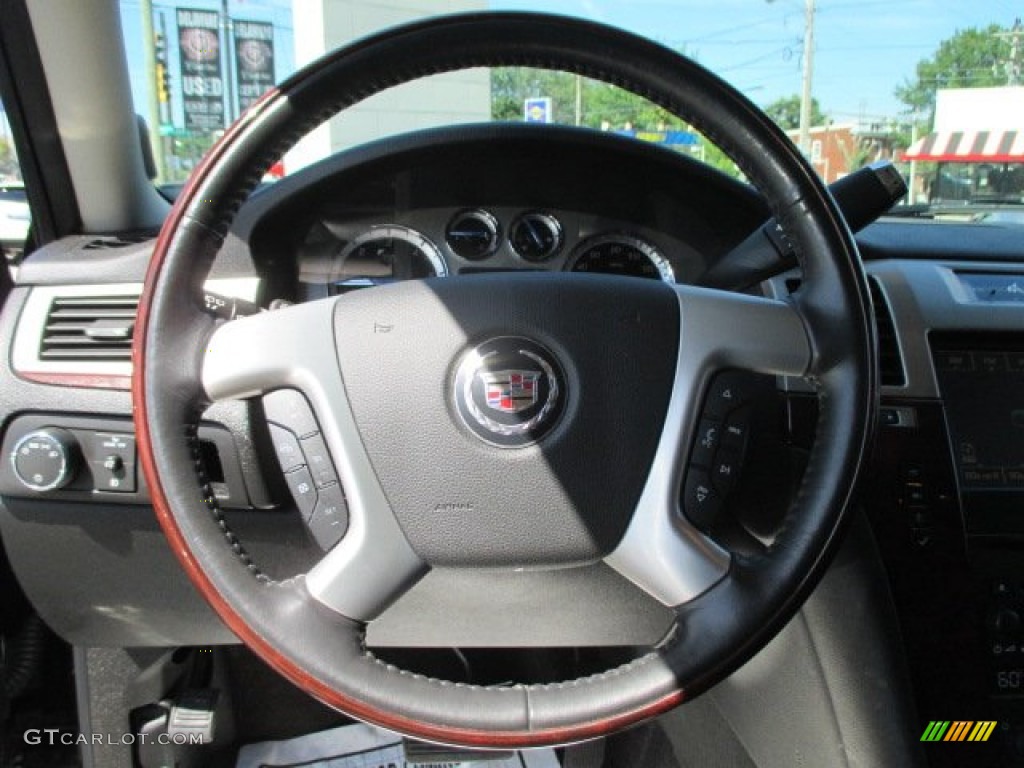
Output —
(358, 254)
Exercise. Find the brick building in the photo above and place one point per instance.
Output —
(834, 149)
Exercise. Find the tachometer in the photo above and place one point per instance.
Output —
(619, 254)
(385, 253)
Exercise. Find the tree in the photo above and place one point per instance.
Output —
(786, 112)
(604, 106)
(972, 58)
(511, 86)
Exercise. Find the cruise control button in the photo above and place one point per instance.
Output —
(700, 500)
(286, 447)
(330, 518)
(318, 460)
(709, 434)
(289, 408)
(300, 483)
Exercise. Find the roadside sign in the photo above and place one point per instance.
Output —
(537, 110)
(254, 60)
(202, 84)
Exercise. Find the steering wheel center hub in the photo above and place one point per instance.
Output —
(509, 391)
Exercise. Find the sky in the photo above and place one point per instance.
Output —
(862, 51)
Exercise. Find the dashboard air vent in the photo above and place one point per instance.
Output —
(92, 328)
(890, 362)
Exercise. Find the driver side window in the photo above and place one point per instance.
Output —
(14, 212)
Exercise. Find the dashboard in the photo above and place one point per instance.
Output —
(494, 198)
(946, 484)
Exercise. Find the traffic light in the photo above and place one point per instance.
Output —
(160, 47)
(163, 83)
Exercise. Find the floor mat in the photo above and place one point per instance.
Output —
(365, 746)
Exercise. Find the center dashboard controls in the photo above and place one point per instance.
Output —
(719, 446)
(535, 236)
(308, 470)
(621, 254)
(473, 234)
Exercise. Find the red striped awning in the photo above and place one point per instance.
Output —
(969, 147)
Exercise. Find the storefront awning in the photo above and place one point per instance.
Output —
(969, 147)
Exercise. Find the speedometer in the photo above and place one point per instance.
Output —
(388, 252)
(619, 254)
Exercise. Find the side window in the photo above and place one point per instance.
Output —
(14, 215)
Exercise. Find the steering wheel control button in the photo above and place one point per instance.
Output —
(300, 483)
(329, 520)
(45, 460)
(509, 391)
(725, 471)
(318, 460)
(734, 434)
(289, 409)
(709, 435)
(286, 446)
(472, 234)
(536, 236)
(728, 391)
(701, 502)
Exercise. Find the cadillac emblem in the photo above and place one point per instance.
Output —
(509, 391)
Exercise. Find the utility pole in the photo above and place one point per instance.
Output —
(579, 99)
(912, 180)
(1013, 68)
(228, 47)
(153, 99)
(808, 74)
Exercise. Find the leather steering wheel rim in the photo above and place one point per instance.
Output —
(717, 627)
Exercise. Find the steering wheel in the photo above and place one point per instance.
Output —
(583, 463)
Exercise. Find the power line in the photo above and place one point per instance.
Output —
(846, 6)
(885, 47)
(755, 60)
(725, 31)
(761, 41)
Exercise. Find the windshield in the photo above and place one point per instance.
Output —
(933, 86)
